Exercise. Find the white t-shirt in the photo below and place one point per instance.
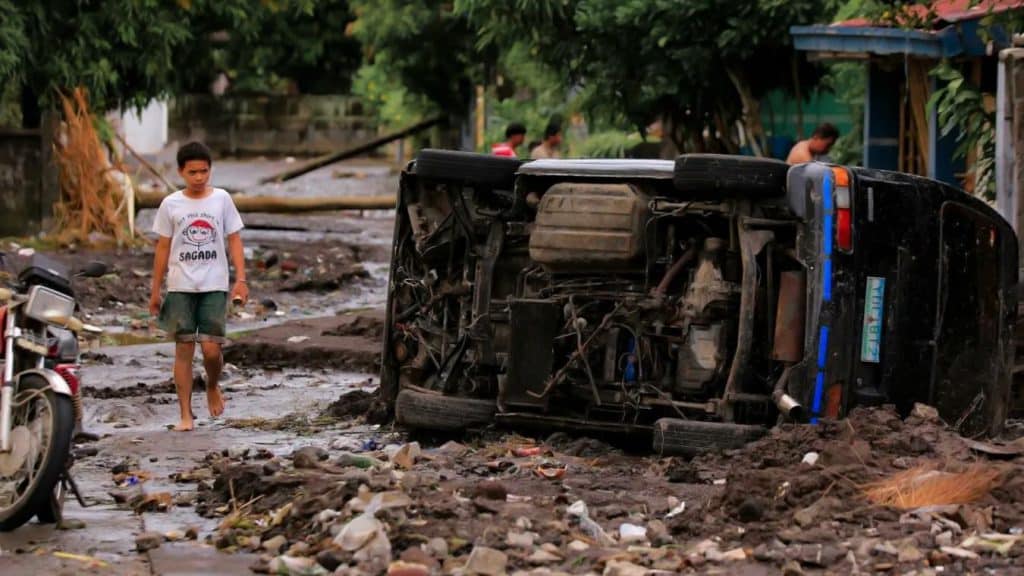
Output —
(198, 229)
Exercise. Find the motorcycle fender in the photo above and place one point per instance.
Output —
(55, 380)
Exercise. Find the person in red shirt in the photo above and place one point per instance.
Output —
(515, 134)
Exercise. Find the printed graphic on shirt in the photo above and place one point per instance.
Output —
(197, 233)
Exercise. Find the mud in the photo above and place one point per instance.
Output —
(758, 507)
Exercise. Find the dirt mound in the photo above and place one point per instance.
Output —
(140, 389)
(350, 342)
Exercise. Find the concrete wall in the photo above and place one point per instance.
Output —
(272, 125)
(28, 183)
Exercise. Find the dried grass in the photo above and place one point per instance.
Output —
(93, 201)
(927, 486)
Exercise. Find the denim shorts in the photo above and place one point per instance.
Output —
(195, 316)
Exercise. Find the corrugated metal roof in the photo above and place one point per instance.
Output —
(946, 12)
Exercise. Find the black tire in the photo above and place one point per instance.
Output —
(722, 176)
(491, 172)
(421, 410)
(674, 436)
(52, 511)
(63, 421)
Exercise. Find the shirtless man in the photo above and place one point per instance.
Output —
(816, 147)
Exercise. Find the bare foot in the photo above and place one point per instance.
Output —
(215, 401)
(184, 426)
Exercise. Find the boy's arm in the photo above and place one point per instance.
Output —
(237, 253)
(160, 258)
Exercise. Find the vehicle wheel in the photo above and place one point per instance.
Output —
(674, 436)
(493, 172)
(52, 511)
(719, 175)
(41, 432)
(438, 412)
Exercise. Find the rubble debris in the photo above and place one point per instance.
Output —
(928, 486)
(148, 541)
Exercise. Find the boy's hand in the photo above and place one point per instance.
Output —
(240, 292)
(154, 304)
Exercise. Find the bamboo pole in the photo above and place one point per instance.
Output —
(350, 152)
(278, 205)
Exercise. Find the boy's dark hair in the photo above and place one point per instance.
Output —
(826, 131)
(513, 129)
(552, 129)
(194, 151)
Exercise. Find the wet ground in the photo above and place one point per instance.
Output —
(283, 481)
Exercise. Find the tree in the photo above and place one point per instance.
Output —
(424, 48)
(698, 66)
(127, 52)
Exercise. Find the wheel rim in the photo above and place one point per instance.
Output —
(34, 412)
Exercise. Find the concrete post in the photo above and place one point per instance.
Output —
(1010, 139)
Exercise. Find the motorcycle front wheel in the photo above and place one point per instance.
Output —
(42, 423)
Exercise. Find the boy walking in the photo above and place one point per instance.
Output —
(192, 225)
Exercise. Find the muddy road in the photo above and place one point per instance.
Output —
(301, 476)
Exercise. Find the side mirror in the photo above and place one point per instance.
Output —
(94, 269)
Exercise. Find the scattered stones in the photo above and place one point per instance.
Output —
(485, 561)
(148, 541)
(274, 545)
(578, 546)
(70, 524)
(401, 568)
(520, 539)
(309, 457)
(543, 557)
(491, 489)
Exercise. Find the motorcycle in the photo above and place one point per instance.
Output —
(39, 392)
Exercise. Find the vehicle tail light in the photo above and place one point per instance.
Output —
(69, 372)
(844, 216)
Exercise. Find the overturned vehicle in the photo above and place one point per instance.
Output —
(698, 302)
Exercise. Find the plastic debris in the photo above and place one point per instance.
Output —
(629, 533)
(811, 458)
(677, 510)
(588, 526)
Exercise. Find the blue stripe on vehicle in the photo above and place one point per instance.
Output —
(827, 232)
(826, 281)
(819, 387)
(827, 238)
(822, 347)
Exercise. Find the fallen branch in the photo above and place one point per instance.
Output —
(279, 205)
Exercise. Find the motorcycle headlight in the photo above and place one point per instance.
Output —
(49, 306)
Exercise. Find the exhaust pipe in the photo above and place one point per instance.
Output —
(786, 404)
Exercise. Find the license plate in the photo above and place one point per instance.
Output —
(874, 310)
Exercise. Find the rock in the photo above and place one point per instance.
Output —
(292, 565)
(751, 510)
(924, 413)
(148, 541)
(184, 500)
(658, 533)
(271, 467)
(910, 554)
(734, 555)
(944, 539)
(578, 546)
(438, 547)
(520, 539)
(416, 555)
(885, 548)
(623, 568)
(274, 545)
(808, 516)
(329, 559)
(631, 533)
(402, 568)
(191, 533)
(299, 549)
(819, 555)
(70, 524)
(406, 456)
(792, 568)
(543, 557)
(524, 523)
(486, 562)
(174, 535)
(308, 457)
(958, 553)
(491, 489)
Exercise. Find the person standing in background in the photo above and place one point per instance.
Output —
(515, 134)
